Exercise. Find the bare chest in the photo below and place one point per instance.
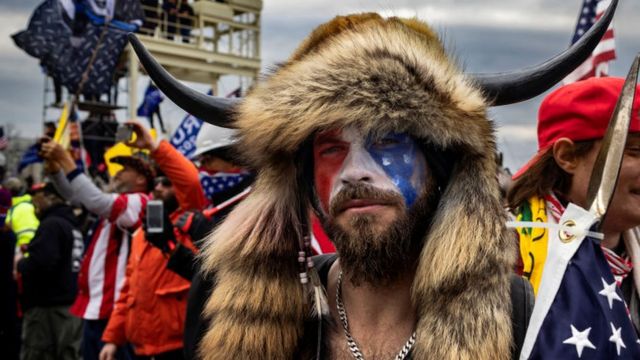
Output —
(373, 346)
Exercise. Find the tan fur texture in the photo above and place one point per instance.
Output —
(379, 75)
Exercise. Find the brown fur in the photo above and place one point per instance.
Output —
(379, 75)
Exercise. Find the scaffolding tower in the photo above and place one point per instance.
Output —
(199, 41)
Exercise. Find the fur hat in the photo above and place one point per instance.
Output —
(378, 75)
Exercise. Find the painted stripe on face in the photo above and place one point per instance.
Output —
(398, 155)
(393, 163)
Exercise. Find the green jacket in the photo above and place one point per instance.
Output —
(22, 219)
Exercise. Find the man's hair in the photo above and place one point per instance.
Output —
(15, 186)
(47, 189)
(544, 176)
(226, 153)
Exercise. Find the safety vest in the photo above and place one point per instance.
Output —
(22, 220)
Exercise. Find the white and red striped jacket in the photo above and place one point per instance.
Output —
(102, 273)
(103, 268)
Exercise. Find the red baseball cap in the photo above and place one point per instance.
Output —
(579, 111)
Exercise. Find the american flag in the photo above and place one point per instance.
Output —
(220, 181)
(598, 63)
(580, 312)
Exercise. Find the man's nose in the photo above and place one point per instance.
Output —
(357, 168)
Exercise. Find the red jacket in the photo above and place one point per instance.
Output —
(151, 308)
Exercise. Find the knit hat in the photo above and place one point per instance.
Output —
(579, 111)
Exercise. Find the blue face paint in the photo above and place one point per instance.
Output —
(402, 161)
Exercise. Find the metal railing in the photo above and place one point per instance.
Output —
(239, 37)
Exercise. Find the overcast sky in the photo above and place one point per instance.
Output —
(485, 36)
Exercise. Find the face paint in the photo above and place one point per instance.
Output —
(393, 162)
(397, 154)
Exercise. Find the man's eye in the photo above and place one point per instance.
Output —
(331, 150)
(386, 142)
(633, 150)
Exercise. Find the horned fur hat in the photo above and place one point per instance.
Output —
(378, 75)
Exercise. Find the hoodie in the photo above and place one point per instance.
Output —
(49, 274)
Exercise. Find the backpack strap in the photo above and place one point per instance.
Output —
(522, 300)
(322, 264)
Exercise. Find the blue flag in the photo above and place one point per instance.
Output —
(184, 138)
(29, 157)
(579, 312)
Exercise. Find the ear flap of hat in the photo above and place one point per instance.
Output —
(257, 307)
(462, 281)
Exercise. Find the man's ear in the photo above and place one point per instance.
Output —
(564, 154)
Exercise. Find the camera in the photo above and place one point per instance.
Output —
(124, 133)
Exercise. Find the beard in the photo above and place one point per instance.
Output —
(373, 256)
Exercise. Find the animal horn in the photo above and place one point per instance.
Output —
(212, 109)
(512, 87)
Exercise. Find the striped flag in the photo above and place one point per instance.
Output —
(597, 64)
(580, 312)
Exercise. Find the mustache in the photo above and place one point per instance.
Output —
(363, 192)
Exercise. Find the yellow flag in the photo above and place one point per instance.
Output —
(533, 241)
(62, 135)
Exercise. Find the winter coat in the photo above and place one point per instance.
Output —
(150, 311)
(49, 273)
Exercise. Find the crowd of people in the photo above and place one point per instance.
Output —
(370, 131)
(119, 288)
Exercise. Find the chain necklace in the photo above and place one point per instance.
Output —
(351, 342)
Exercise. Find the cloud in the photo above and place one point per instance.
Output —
(19, 5)
(517, 133)
(11, 22)
(543, 15)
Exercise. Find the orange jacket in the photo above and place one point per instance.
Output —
(151, 308)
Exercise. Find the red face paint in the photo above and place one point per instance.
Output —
(329, 152)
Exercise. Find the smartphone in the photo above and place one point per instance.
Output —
(155, 216)
(124, 133)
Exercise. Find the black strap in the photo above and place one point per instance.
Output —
(322, 264)
(522, 299)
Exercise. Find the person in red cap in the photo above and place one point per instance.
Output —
(571, 124)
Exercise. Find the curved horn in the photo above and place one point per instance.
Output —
(212, 109)
(515, 86)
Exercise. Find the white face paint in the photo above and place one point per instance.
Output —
(359, 166)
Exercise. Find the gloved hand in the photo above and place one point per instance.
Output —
(194, 224)
(165, 240)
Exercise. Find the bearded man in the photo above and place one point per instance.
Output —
(370, 124)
